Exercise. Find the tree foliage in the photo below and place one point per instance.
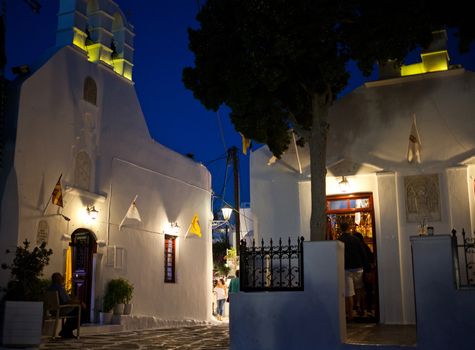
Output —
(220, 249)
(279, 64)
(26, 271)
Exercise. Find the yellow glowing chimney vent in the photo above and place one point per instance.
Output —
(435, 61)
(431, 62)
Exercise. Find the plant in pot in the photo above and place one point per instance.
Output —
(118, 293)
(24, 294)
(128, 292)
(105, 316)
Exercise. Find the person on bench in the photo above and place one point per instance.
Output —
(57, 284)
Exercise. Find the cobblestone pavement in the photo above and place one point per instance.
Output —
(195, 337)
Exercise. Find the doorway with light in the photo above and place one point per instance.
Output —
(357, 210)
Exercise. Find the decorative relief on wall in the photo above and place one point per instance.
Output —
(82, 171)
(42, 233)
(89, 122)
(422, 198)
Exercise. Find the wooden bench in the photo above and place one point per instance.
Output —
(52, 308)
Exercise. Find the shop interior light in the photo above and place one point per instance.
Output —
(344, 184)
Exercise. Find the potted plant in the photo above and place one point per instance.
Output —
(105, 316)
(118, 293)
(128, 292)
(23, 299)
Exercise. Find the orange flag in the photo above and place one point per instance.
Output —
(57, 195)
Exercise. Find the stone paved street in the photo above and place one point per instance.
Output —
(195, 337)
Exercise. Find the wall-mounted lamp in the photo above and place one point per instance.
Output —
(66, 237)
(172, 229)
(344, 184)
(92, 212)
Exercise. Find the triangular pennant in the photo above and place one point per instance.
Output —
(195, 226)
(132, 213)
(415, 146)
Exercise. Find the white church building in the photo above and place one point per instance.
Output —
(370, 182)
(76, 118)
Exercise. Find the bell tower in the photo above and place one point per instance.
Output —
(100, 30)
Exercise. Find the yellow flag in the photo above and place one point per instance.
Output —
(246, 143)
(57, 195)
(195, 226)
(68, 274)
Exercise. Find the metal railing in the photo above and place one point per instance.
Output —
(464, 260)
(272, 267)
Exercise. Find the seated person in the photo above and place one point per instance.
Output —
(57, 284)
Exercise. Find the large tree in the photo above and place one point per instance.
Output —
(279, 64)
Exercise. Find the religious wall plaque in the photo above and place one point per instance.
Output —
(42, 233)
(422, 198)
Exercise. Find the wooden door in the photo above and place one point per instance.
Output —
(84, 246)
(357, 210)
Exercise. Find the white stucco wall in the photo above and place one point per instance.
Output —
(444, 313)
(267, 320)
(471, 196)
(54, 124)
(275, 200)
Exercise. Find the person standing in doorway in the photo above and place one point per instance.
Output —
(368, 278)
(355, 263)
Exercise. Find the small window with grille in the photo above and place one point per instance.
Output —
(90, 90)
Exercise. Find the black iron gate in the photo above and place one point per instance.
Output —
(271, 267)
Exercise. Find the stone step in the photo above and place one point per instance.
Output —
(86, 329)
(124, 323)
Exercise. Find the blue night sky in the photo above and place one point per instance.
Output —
(174, 117)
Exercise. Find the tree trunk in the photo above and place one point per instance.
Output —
(318, 150)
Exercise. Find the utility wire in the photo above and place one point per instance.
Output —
(220, 127)
(232, 207)
(223, 190)
(223, 156)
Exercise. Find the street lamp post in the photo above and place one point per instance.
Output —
(234, 155)
(227, 211)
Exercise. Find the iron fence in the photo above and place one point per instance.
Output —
(464, 260)
(272, 267)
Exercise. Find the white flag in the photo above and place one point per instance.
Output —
(132, 213)
(415, 146)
